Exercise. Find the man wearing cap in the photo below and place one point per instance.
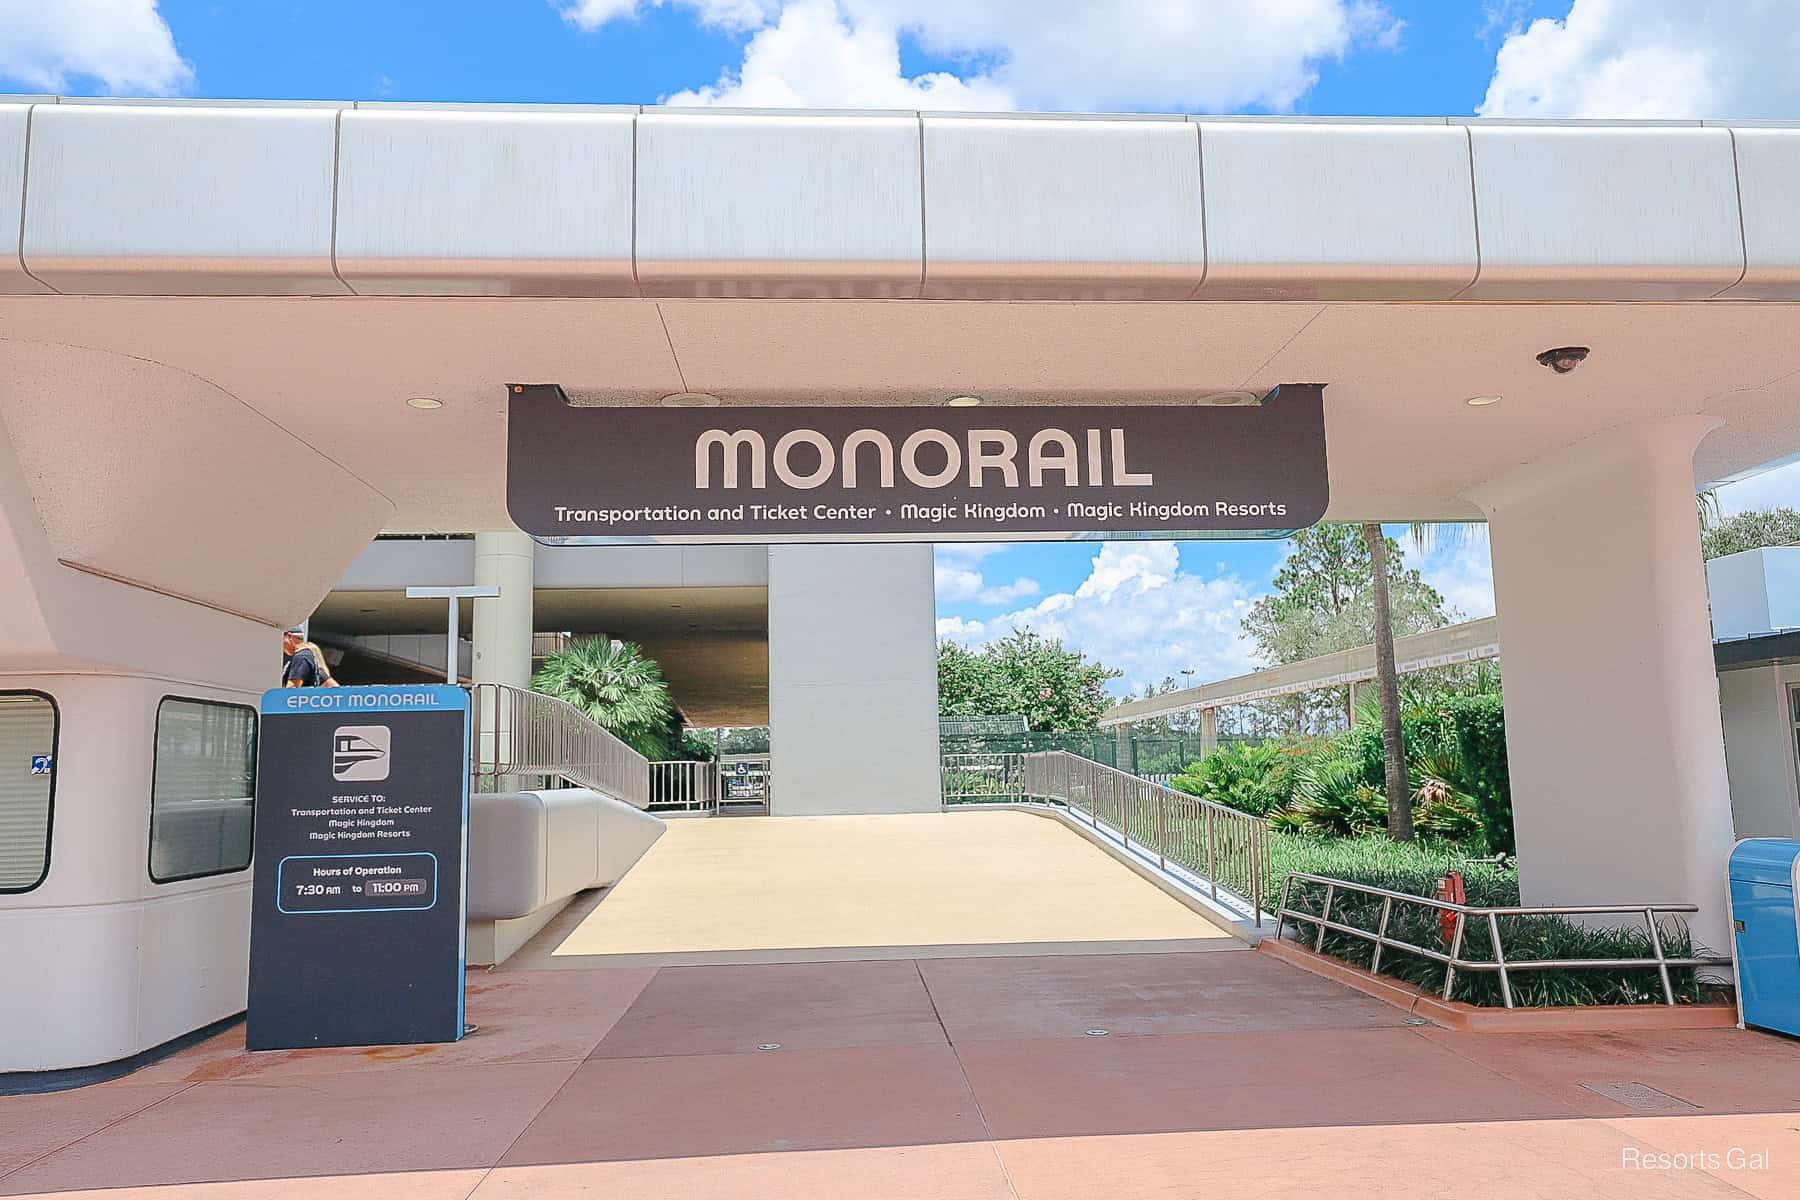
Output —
(305, 662)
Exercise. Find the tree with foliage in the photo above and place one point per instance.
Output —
(620, 688)
(1054, 688)
(753, 739)
(1344, 586)
(695, 745)
(1751, 530)
(1324, 601)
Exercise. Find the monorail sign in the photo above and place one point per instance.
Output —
(857, 474)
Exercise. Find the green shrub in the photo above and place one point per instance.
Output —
(1258, 778)
(1237, 776)
(1331, 798)
(1480, 724)
(1413, 867)
(1462, 739)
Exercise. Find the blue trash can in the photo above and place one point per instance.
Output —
(1765, 938)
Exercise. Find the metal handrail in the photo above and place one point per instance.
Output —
(684, 785)
(997, 777)
(1454, 961)
(519, 732)
(1227, 850)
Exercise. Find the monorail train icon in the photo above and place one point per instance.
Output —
(359, 753)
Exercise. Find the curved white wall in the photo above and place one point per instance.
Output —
(102, 961)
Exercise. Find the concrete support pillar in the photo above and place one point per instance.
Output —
(501, 643)
(1612, 704)
(1209, 731)
(503, 627)
(853, 724)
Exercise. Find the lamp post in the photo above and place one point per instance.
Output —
(455, 595)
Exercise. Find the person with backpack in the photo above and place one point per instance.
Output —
(305, 662)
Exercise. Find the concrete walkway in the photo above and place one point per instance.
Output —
(811, 888)
(1225, 1074)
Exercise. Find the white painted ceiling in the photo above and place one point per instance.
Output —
(335, 373)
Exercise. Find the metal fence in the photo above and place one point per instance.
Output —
(995, 778)
(1226, 850)
(684, 786)
(1453, 960)
(521, 734)
(745, 781)
(1161, 755)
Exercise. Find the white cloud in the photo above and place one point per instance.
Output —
(121, 46)
(957, 629)
(1137, 611)
(1651, 59)
(1462, 571)
(589, 15)
(813, 58)
(1050, 54)
(958, 580)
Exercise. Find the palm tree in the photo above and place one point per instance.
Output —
(1423, 535)
(1706, 507)
(617, 686)
(1387, 677)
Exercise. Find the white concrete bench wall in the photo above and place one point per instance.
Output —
(531, 852)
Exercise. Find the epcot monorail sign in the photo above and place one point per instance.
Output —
(914, 473)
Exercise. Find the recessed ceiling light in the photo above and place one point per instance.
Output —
(424, 403)
(689, 400)
(1483, 401)
(1232, 399)
(963, 401)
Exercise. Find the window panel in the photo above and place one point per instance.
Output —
(202, 798)
(27, 785)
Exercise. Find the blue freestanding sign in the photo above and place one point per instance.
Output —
(362, 831)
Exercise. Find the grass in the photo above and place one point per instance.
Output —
(1415, 869)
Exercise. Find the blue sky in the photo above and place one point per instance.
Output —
(1149, 608)
(526, 50)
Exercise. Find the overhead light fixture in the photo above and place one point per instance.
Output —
(1564, 359)
(689, 400)
(1236, 398)
(424, 403)
(1483, 401)
(963, 401)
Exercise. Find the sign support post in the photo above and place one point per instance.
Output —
(487, 591)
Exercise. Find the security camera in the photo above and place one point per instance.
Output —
(1564, 359)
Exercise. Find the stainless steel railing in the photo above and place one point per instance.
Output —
(682, 786)
(521, 734)
(1227, 850)
(1453, 959)
(997, 778)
